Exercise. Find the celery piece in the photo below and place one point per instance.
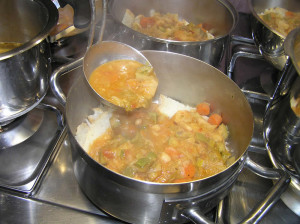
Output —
(153, 116)
(201, 138)
(128, 171)
(142, 162)
(143, 72)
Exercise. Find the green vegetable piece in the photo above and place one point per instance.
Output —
(267, 17)
(122, 153)
(128, 171)
(153, 116)
(142, 162)
(202, 138)
(151, 156)
(143, 72)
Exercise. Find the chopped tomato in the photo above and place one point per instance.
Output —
(190, 171)
(109, 154)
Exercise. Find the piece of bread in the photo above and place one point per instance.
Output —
(128, 18)
(169, 107)
(94, 126)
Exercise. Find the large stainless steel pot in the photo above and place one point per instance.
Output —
(190, 81)
(269, 41)
(282, 124)
(24, 70)
(220, 14)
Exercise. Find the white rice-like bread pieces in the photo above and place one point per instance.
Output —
(169, 107)
(97, 123)
(94, 126)
(128, 18)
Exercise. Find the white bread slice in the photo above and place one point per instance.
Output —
(128, 18)
(94, 126)
(169, 107)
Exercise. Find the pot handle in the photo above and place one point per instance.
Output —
(57, 91)
(195, 215)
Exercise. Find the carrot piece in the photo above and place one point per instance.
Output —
(215, 119)
(190, 170)
(203, 108)
(289, 14)
(146, 21)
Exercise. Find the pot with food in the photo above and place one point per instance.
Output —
(196, 28)
(271, 23)
(24, 54)
(282, 120)
(172, 161)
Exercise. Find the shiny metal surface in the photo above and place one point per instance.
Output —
(24, 70)
(282, 125)
(142, 196)
(269, 41)
(59, 199)
(20, 129)
(220, 14)
(106, 51)
(22, 163)
(169, 197)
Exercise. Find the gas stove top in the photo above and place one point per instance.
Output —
(47, 192)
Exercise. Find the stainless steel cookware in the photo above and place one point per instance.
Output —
(190, 81)
(269, 41)
(220, 14)
(24, 70)
(282, 123)
(103, 52)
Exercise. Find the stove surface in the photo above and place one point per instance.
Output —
(56, 197)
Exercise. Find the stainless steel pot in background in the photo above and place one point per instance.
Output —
(282, 123)
(220, 14)
(24, 70)
(190, 81)
(268, 40)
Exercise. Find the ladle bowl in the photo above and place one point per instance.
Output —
(104, 52)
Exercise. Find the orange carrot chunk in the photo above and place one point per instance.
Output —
(147, 21)
(215, 119)
(203, 109)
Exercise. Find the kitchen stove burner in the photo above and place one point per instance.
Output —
(27, 144)
(20, 129)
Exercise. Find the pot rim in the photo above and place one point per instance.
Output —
(289, 47)
(225, 3)
(254, 13)
(52, 21)
(239, 159)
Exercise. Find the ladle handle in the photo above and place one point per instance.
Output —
(55, 87)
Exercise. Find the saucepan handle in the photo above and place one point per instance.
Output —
(55, 87)
(196, 216)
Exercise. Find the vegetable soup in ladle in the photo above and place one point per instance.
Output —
(120, 75)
